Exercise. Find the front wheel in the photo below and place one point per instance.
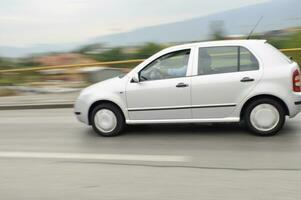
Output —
(107, 120)
(264, 117)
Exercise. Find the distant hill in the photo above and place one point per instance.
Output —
(278, 14)
(9, 51)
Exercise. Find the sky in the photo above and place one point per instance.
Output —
(31, 22)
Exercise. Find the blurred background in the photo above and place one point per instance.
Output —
(51, 49)
(58, 47)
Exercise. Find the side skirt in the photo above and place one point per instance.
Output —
(173, 121)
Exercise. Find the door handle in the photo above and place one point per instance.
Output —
(182, 85)
(247, 79)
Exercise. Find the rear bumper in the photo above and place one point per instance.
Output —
(298, 103)
(295, 106)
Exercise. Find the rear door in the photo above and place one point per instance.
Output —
(225, 75)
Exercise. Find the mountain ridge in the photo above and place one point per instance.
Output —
(277, 14)
(242, 21)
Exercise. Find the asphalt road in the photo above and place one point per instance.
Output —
(47, 154)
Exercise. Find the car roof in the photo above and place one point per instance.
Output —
(220, 43)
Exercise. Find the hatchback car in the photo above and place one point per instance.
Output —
(246, 81)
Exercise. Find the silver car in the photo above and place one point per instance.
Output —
(246, 81)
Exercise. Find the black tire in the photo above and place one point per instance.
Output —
(118, 114)
(252, 105)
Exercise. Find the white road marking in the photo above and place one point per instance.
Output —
(82, 156)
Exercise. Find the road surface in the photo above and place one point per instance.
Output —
(47, 154)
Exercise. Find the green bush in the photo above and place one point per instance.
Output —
(295, 55)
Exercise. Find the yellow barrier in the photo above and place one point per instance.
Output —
(94, 64)
(289, 50)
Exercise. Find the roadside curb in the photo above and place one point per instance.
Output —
(36, 106)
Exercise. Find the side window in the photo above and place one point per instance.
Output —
(172, 65)
(216, 60)
(248, 61)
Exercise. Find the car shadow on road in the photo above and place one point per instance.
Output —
(196, 130)
(180, 129)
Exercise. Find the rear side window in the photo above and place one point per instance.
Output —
(248, 61)
(216, 60)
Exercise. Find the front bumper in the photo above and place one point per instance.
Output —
(81, 110)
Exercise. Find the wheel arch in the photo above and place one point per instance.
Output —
(261, 96)
(96, 103)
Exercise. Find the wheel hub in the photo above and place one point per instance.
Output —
(265, 117)
(105, 120)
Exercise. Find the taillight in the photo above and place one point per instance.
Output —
(296, 81)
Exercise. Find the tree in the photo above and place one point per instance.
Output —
(148, 50)
(89, 48)
(217, 30)
(112, 55)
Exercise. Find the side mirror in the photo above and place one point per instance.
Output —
(135, 79)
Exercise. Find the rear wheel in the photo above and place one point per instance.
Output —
(264, 117)
(107, 120)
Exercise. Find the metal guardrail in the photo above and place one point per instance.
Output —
(94, 64)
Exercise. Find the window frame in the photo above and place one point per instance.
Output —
(196, 71)
(163, 55)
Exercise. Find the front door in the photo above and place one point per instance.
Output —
(163, 92)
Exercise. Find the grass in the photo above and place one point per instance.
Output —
(7, 92)
(296, 55)
(18, 78)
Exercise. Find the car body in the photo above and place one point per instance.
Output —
(200, 82)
